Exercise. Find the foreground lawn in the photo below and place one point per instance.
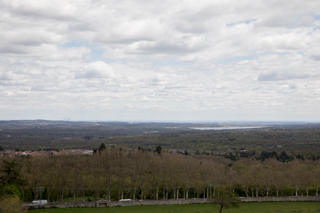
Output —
(266, 207)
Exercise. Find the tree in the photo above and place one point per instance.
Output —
(158, 149)
(10, 196)
(36, 174)
(284, 157)
(225, 198)
(11, 205)
(11, 173)
(102, 147)
(63, 165)
(10, 190)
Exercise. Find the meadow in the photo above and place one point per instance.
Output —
(265, 207)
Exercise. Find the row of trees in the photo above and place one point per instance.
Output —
(115, 173)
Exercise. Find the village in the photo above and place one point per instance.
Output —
(47, 152)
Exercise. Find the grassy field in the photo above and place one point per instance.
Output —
(265, 207)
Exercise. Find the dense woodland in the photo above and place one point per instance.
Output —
(114, 173)
(294, 139)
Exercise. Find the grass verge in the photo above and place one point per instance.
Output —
(265, 207)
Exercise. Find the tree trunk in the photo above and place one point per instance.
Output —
(141, 194)
(119, 193)
(178, 193)
(164, 193)
(157, 194)
(61, 195)
(134, 192)
(245, 189)
(221, 207)
(48, 195)
(35, 195)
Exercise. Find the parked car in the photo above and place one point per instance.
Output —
(125, 200)
(39, 202)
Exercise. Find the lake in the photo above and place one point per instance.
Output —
(226, 128)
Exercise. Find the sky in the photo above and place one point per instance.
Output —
(249, 60)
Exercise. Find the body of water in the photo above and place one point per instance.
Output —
(226, 128)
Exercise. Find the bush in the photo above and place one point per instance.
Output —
(11, 205)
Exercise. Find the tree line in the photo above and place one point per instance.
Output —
(115, 173)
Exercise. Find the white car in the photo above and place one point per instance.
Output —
(125, 200)
(39, 202)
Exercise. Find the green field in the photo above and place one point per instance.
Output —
(265, 207)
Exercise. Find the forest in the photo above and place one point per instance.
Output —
(295, 139)
(114, 173)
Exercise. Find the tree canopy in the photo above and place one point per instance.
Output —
(225, 198)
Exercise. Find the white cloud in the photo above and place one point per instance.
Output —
(209, 60)
(97, 70)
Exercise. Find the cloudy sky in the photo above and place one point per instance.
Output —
(160, 60)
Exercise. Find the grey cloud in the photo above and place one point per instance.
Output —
(82, 26)
(316, 57)
(191, 28)
(293, 86)
(117, 40)
(44, 10)
(42, 88)
(200, 13)
(6, 76)
(164, 48)
(278, 76)
(12, 49)
(92, 74)
(28, 38)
